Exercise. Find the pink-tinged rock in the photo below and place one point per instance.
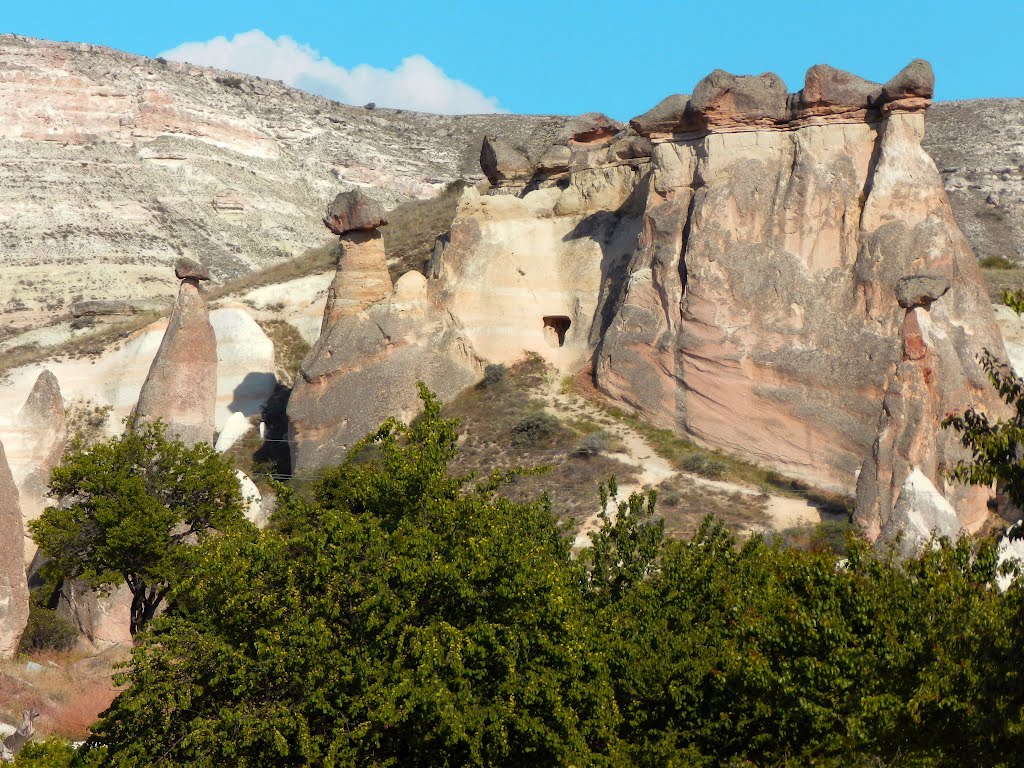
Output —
(361, 278)
(13, 583)
(828, 91)
(102, 619)
(181, 388)
(354, 211)
(41, 422)
(722, 99)
(671, 115)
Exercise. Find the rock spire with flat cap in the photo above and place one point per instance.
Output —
(181, 388)
(13, 584)
(362, 274)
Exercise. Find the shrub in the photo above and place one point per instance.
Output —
(593, 444)
(494, 374)
(534, 429)
(702, 465)
(47, 630)
(996, 262)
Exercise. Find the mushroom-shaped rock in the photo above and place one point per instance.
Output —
(185, 268)
(362, 276)
(354, 211)
(502, 163)
(13, 584)
(914, 81)
(181, 388)
(829, 90)
(726, 99)
(920, 290)
(670, 115)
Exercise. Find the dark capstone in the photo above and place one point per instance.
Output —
(352, 211)
(920, 290)
(186, 267)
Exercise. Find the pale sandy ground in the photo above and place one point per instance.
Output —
(783, 512)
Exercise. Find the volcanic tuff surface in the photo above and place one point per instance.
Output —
(777, 275)
(113, 165)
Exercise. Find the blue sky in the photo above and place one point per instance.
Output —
(550, 57)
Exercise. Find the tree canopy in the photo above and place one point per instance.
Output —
(128, 507)
(402, 616)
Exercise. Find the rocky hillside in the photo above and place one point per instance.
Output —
(113, 165)
(978, 147)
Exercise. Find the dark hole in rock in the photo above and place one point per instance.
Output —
(555, 327)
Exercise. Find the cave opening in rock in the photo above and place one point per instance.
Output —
(555, 327)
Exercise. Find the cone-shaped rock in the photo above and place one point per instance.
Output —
(42, 424)
(181, 388)
(13, 584)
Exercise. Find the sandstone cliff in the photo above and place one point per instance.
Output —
(777, 275)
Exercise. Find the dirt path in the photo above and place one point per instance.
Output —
(782, 511)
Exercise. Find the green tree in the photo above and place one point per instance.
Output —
(402, 617)
(130, 506)
(996, 445)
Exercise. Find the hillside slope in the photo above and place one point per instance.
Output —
(112, 165)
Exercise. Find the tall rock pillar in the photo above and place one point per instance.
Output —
(13, 583)
(181, 388)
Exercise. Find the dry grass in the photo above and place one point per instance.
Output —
(489, 413)
(413, 227)
(686, 456)
(998, 280)
(69, 692)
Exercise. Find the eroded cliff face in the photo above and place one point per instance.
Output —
(776, 275)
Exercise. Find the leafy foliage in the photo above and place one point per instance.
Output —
(131, 504)
(1014, 300)
(56, 753)
(47, 630)
(997, 447)
(404, 616)
(534, 429)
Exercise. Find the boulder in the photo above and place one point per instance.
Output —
(104, 619)
(190, 268)
(829, 90)
(670, 115)
(914, 81)
(13, 583)
(235, 428)
(181, 388)
(920, 513)
(920, 290)
(252, 500)
(354, 211)
(593, 128)
(503, 164)
(723, 99)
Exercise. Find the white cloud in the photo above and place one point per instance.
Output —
(417, 83)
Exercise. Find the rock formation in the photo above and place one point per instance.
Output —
(166, 157)
(377, 342)
(776, 275)
(181, 388)
(41, 423)
(13, 584)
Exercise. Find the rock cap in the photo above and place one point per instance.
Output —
(670, 115)
(914, 81)
(920, 290)
(724, 98)
(354, 210)
(827, 88)
(185, 267)
(501, 162)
